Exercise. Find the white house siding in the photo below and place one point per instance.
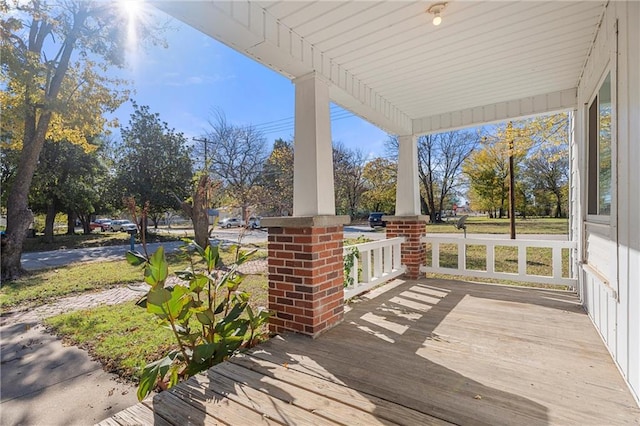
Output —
(610, 281)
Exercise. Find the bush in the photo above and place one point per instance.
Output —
(204, 313)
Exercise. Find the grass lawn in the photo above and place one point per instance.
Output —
(39, 287)
(125, 337)
(95, 239)
(484, 225)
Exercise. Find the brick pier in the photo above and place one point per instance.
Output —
(412, 228)
(306, 273)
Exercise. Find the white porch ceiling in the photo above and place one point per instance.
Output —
(385, 61)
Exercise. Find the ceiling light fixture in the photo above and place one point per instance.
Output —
(435, 9)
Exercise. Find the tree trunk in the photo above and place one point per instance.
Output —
(424, 206)
(19, 216)
(71, 222)
(12, 242)
(198, 212)
(558, 205)
(49, 221)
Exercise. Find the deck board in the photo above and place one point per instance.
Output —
(423, 352)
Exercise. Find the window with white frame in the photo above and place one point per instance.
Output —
(599, 167)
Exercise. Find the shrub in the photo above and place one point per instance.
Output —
(204, 312)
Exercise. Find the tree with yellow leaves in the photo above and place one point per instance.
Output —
(53, 89)
(539, 147)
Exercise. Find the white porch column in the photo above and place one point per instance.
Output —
(407, 187)
(313, 191)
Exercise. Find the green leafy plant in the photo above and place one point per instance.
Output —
(350, 257)
(204, 312)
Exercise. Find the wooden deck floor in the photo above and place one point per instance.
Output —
(421, 352)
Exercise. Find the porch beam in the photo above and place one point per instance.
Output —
(501, 111)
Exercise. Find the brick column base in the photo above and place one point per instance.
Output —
(412, 228)
(305, 273)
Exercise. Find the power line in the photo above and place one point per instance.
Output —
(290, 125)
(334, 109)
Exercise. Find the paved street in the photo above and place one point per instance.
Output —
(50, 259)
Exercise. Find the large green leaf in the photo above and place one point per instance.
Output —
(235, 312)
(203, 353)
(220, 307)
(244, 256)
(156, 300)
(198, 282)
(206, 317)
(135, 258)
(157, 271)
(211, 257)
(151, 373)
(176, 303)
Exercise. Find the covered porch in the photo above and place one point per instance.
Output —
(454, 352)
(415, 352)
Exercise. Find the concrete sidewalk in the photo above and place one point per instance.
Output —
(44, 382)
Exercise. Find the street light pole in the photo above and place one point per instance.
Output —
(512, 183)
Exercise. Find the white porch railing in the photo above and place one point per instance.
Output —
(556, 246)
(376, 263)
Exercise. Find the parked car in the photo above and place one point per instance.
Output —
(254, 222)
(122, 226)
(375, 220)
(101, 224)
(231, 222)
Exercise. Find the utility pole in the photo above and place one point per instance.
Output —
(512, 183)
(206, 168)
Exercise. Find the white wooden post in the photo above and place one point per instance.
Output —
(386, 252)
(407, 186)
(557, 262)
(462, 254)
(522, 260)
(366, 267)
(397, 256)
(377, 262)
(491, 264)
(313, 188)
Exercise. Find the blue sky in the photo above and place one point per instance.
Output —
(196, 74)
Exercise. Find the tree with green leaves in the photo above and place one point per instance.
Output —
(70, 180)
(53, 89)
(548, 171)
(380, 175)
(487, 171)
(539, 148)
(154, 164)
(276, 182)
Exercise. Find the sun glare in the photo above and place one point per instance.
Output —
(131, 8)
(132, 12)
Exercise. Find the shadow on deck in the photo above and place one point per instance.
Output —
(417, 352)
